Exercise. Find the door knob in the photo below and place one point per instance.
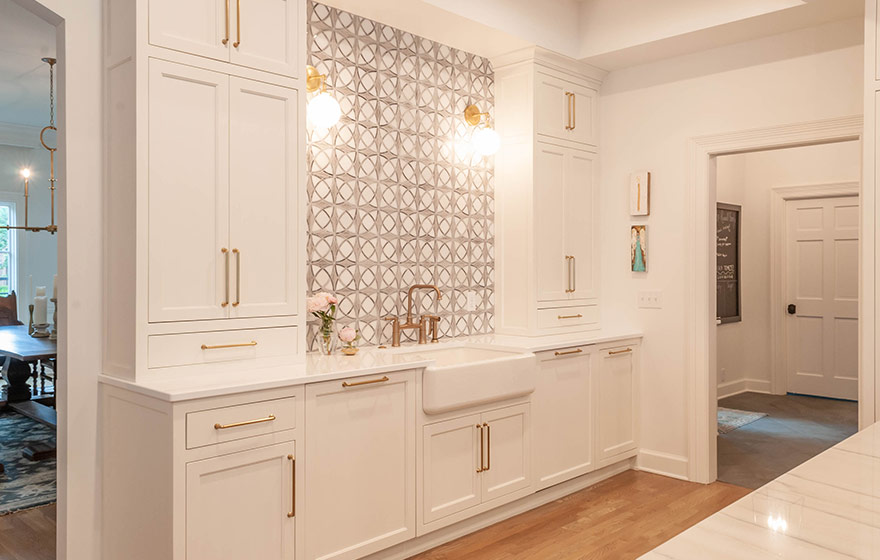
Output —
(792, 309)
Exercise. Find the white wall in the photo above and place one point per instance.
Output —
(648, 114)
(744, 352)
(37, 251)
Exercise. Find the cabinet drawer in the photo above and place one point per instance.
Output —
(219, 425)
(167, 350)
(568, 316)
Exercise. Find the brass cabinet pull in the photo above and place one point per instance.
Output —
(573, 111)
(578, 316)
(568, 352)
(225, 252)
(237, 24)
(482, 449)
(615, 352)
(293, 485)
(269, 418)
(567, 110)
(219, 346)
(568, 288)
(382, 379)
(488, 446)
(237, 277)
(572, 267)
(226, 39)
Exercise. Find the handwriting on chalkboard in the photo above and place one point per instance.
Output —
(727, 262)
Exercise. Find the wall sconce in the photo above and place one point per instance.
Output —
(323, 111)
(485, 140)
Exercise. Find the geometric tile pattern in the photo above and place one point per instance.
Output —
(396, 195)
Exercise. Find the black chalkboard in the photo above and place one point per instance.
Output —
(727, 260)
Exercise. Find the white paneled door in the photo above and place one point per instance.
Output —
(822, 268)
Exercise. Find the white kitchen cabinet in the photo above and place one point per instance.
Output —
(223, 155)
(565, 108)
(617, 402)
(563, 416)
(259, 34)
(242, 505)
(360, 469)
(564, 210)
(475, 460)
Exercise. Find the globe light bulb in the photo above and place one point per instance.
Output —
(324, 111)
(486, 141)
(25, 172)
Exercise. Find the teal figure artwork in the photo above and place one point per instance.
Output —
(639, 248)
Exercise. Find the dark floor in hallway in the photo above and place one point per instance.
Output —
(795, 429)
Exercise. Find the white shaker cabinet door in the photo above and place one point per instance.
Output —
(552, 271)
(616, 398)
(263, 213)
(198, 27)
(240, 506)
(507, 466)
(452, 456)
(360, 472)
(265, 35)
(580, 223)
(188, 192)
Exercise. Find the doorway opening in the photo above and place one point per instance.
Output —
(787, 299)
(30, 174)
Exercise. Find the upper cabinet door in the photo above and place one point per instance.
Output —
(265, 35)
(552, 261)
(263, 218)
(188, 192)
(580, 223)
(565, 110)
(194, 26)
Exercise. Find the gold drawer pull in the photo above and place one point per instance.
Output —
(293, 492)
(578, 316)
(269, 418)
(218, 346)
(614, 352)
(488, 446)
(569, 352)
(382, 379)
(482, 449)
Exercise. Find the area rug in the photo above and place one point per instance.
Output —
(24, 484)
(730, 419)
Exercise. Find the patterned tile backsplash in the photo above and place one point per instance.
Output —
(396, 195)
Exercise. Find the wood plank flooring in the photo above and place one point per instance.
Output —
(620, 518)
(28, 535)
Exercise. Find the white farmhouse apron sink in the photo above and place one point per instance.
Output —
(466, 376)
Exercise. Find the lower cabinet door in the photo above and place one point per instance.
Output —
(507, 463)
(360, 467)
(240, 506)
(562, 423)
(451, 466)
(617, 401)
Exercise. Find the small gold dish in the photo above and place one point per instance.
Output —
(350, 351)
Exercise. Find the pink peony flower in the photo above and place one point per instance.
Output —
(317, 303)
(348, 334)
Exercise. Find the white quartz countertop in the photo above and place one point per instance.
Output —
(205, 381)
(828, 508)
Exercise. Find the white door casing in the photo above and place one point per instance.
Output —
(822, 267)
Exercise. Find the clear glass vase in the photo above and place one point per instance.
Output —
(325, 341)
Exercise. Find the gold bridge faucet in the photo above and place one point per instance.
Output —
(425, 322)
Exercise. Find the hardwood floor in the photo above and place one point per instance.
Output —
(620, 518)
(28, 535)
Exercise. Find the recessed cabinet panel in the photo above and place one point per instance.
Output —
(188, 192)
(265, 34)
(565, 110)
(451, 463)
(563, 426)
(238, 505)
(360, 444)
(580, 223)
(264, 155)
(508, 455)
(549, 200)
(616, 417)
(194, 26)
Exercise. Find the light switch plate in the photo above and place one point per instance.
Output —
(651, 299)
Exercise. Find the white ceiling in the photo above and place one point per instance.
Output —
(24, 78)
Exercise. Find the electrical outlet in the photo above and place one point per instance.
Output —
(651, 299)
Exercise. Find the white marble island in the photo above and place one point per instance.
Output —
(828, 508)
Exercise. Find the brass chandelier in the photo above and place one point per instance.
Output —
(26, 173)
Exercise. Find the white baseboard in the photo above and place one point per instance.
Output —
(732, 388)
(483, 520)
(667, 464)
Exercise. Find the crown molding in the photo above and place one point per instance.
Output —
(553, 60)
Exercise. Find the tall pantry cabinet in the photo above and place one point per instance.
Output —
(205, 173)
(546, 197)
